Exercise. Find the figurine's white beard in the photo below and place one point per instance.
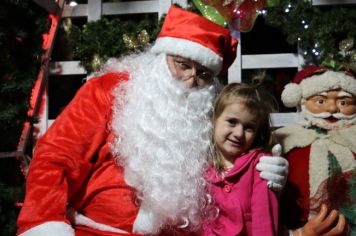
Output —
(312, 119)
(162, 134)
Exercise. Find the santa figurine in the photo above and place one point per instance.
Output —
(321, 151)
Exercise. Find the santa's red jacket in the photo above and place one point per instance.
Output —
(73, 169)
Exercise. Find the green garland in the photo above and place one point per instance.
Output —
(97, 41)
(319, 28)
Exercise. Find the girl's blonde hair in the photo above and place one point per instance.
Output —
(258, 101)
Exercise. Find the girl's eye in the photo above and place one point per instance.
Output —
(232, 121)
(250, 128)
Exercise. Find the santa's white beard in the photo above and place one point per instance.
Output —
(162, 134)
(318, 120)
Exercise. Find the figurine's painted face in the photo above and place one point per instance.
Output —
(332, 107)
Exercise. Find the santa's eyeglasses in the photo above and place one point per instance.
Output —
(191, 68)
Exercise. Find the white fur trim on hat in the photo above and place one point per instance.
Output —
(329, 80)
(189, 49)
(52, 228)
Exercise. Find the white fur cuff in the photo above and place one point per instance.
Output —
(146, 222)
(51, 228)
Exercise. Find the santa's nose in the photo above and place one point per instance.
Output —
(191, 82)
(332, 107)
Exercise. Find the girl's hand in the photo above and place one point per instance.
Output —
(274, 169)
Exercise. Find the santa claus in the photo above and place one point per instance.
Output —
(127, 155)
(321, 152)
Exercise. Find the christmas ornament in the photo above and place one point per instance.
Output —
(133, 42)
(346, 60)
(210, 13)
(143, 38)
(225, 8)
(241, 14)
(97, 62)
(347, 50)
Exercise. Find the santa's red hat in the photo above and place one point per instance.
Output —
(192, 36)
(313, 80)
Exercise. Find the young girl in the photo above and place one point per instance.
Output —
(241, 133)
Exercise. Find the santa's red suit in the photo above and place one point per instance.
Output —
(308, 151)
(80, 168)
(154, 126)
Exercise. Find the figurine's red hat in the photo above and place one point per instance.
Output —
(313, 80)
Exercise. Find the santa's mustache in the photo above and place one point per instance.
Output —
(325, 115)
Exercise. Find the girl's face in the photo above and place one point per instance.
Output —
(234, 131)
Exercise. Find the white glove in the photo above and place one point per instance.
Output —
(274, 169)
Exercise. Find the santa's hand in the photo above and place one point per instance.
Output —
(274, 169)
(324, 224)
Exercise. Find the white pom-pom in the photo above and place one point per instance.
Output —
(291, 95)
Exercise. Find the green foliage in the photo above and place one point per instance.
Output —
(104, 38)
(21, 26)
(313, 27)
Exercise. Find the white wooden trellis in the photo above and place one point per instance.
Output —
(95, 9)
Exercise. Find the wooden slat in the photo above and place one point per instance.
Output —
(94, 10)
(283, 60)
(132, 7)
(80, 10)
(283, 119)
(114, 8)
(10, 154)
(333, 2)
(66, 68)
(234, 71)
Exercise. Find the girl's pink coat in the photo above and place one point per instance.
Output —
(246, 205)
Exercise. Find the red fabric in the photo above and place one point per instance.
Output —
(72, 164)
(295, 200)
(246, 205)
(294, 203)
(308, 71)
